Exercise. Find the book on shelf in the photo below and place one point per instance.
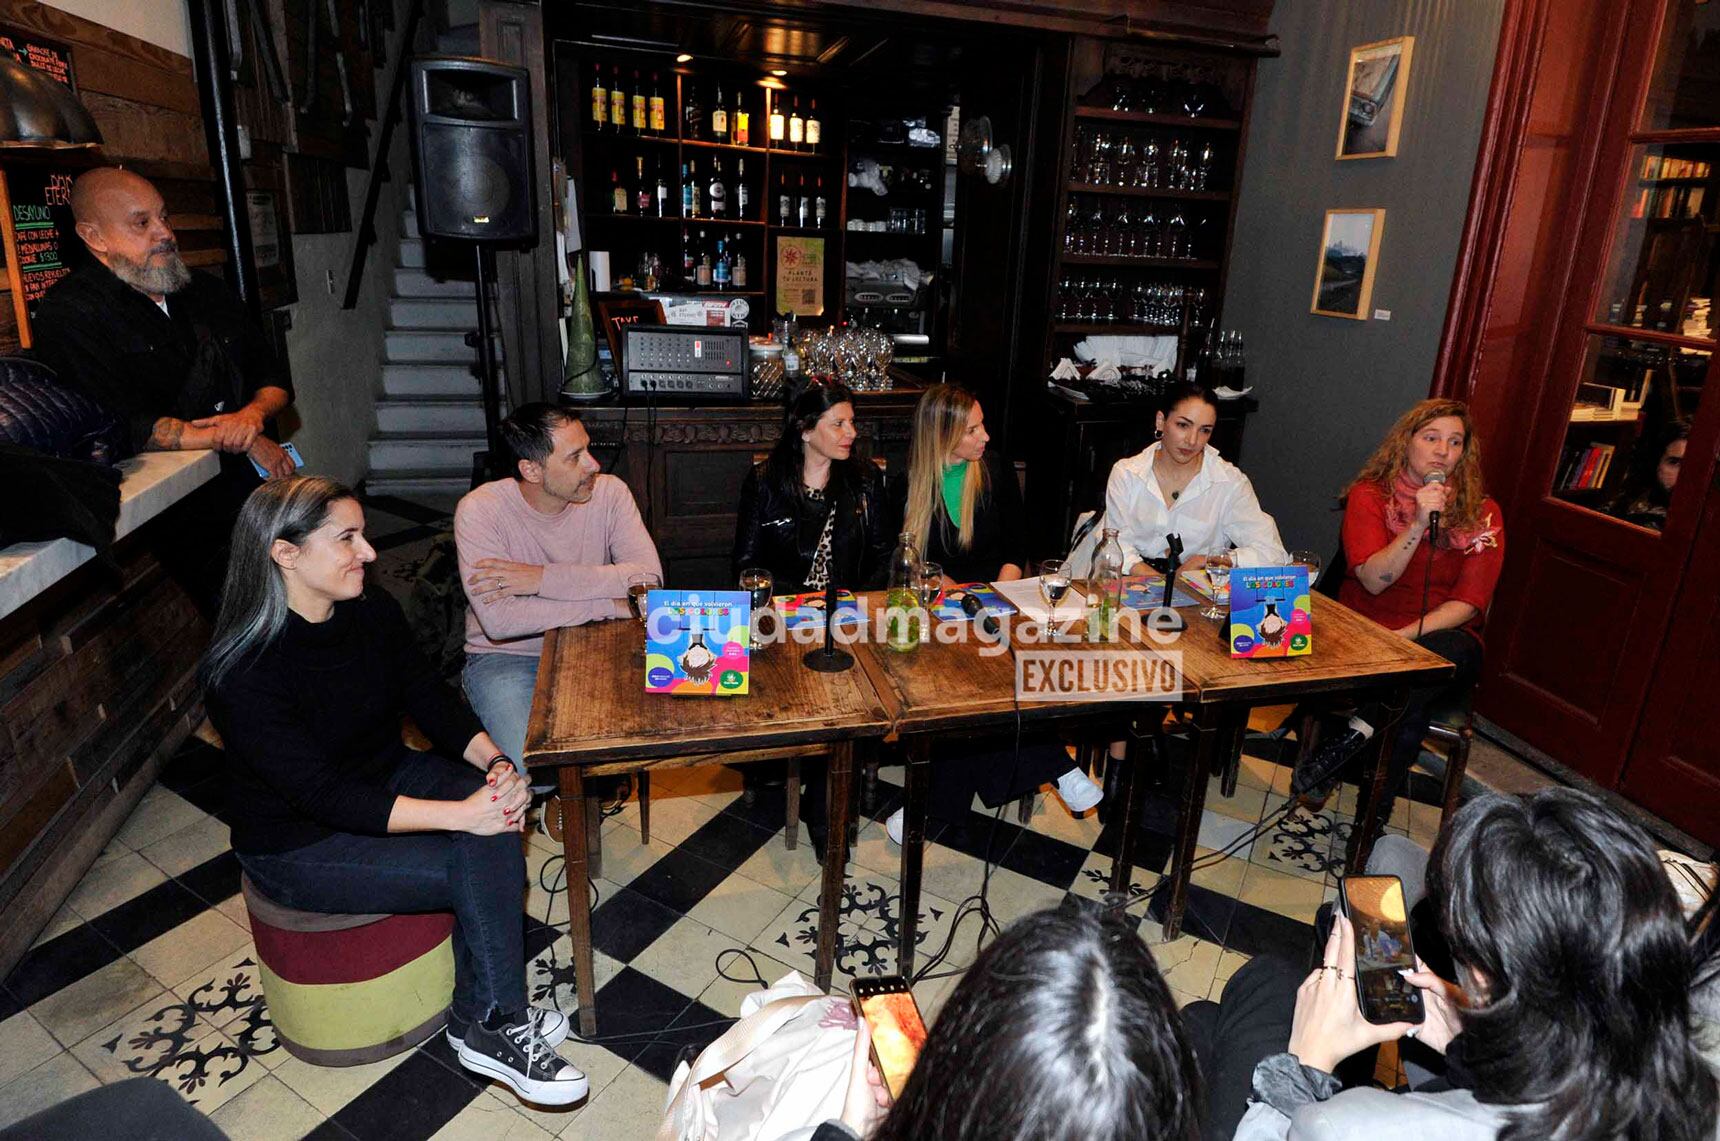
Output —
(1584, 467)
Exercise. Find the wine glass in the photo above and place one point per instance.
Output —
(931, 585)
(1218, 574)
(757, 581)
(1053, 581)
(1312, 561)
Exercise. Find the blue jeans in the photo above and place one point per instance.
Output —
(500, 686)
(479, 878)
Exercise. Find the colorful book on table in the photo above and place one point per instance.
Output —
(803, 610)
(696, 642)
(1146, 591)
(949, 604)
(1271, 612)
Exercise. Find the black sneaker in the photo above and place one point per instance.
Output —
(551, 1024)
(518, 1055)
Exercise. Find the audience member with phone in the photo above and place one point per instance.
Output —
(1572, 1016)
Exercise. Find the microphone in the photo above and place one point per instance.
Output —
(1433, 477)
(973, 608)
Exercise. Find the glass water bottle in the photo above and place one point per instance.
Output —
(1107, 584)
(904, 622)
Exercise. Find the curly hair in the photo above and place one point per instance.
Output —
(1463, 507)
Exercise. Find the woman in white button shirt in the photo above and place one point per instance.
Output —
(1181, 485)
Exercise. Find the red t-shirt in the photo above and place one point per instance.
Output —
(1465, 575)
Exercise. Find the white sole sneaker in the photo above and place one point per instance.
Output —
(893, 826)
(552, 1024)
(1078, 791)
(537, 1092)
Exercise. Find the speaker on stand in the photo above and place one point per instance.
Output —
(472, 171)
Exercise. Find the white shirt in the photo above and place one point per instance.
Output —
(1216, 510)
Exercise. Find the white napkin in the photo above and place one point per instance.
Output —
(1065, 370)
(1106, 370)
(1152, 353)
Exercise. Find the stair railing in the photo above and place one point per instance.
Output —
(379, 173)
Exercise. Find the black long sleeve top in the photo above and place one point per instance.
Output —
(999, 527)
(312, 725)
(781, 531)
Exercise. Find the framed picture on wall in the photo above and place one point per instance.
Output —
(1374, 99)
(1349, 247)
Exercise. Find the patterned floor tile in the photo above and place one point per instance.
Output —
(166, 1039)
(867, 931)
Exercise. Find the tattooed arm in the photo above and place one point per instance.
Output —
(171, 435)
(1386, 565)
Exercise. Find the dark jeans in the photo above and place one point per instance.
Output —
(989, 767)
(479, 878)
(1230, 1037)
(1461, 649)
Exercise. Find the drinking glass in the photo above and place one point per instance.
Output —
(757, 581)
(931, 584)
(1308, 559)
(1218, 574)
(1053, 581)
(638, 586)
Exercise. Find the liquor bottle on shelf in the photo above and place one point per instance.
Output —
(686, 192)
(641, 119)
(617, 102)
(818, 209)
(692, 113)
(719, 118)
(776, 121)
(740, 123)
(814, 128)
(723, 270)
(698, 190)
(641, 189)
(719, 194)
(740, 265)
(705, 270)
(784, 201)
(743, 197)
(802, 205)
(662, 192)
(617, 193)
(796, 125)
(599, 100)
(658, 116)
(689, 261)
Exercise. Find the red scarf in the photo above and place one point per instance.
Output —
(1400, 513)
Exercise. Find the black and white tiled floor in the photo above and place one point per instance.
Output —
(149, 968)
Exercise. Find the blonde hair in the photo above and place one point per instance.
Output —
(940, 421)
(1463, 508)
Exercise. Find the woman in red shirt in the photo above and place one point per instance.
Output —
(1431, 584)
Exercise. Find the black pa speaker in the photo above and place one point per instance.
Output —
(472, 150)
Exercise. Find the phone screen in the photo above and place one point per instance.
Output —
(898, 1033)
(1375, 905)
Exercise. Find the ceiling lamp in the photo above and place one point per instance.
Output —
(38, 111)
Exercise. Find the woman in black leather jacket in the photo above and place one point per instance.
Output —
(811, 513)
(813, 510)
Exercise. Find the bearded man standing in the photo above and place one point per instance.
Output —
(172, 353)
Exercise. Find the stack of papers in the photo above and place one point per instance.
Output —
(1025, 594)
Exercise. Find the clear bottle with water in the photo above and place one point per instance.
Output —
(904, 621)
(1107, 584)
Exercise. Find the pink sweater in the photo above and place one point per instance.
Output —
(588, 552)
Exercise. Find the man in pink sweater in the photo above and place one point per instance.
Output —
(553, 546)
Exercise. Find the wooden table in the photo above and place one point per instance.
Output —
(1352, 655)
(940, 688)
(591, 716)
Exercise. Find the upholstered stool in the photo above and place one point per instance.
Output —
(344, 990)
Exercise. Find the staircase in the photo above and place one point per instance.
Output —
(430, 418)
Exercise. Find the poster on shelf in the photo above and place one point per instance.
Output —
(800, 276)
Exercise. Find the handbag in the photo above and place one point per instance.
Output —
(784, 1066)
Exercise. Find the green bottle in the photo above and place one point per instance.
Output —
(904, 621)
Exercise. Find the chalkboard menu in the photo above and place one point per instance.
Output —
(47, 56)
(42, 228)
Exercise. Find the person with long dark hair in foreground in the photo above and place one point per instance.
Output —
(307, 678)
(1571, 1017)
(1062, 1030)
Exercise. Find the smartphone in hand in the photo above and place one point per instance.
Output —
(1375, 907)
(898, 1032)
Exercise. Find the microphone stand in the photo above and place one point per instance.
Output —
(829, 659)
(1173, 563)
